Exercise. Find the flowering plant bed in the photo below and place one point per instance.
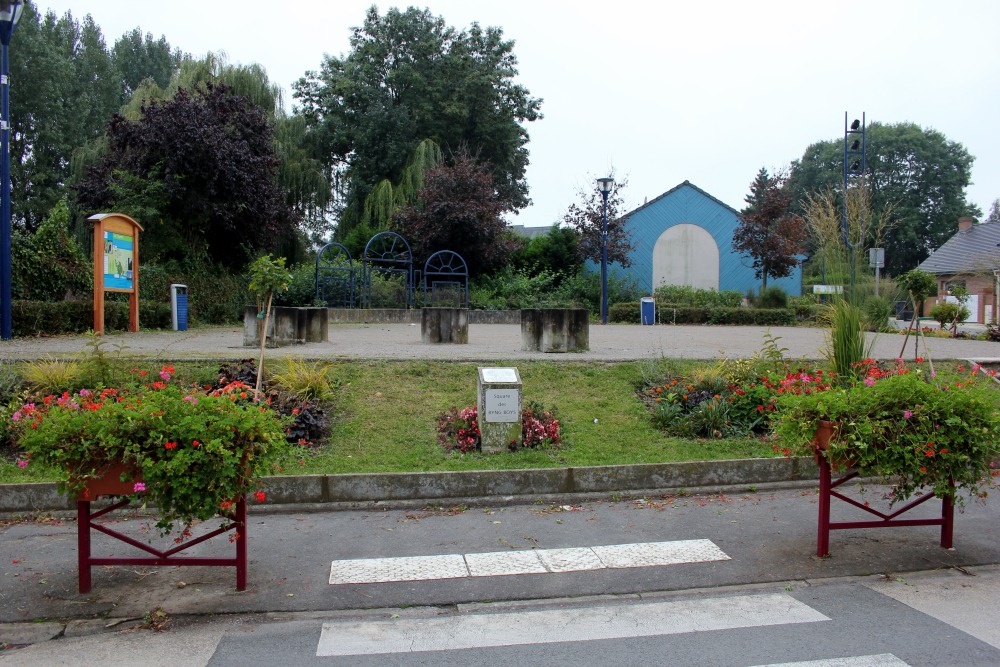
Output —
(193, 455)
(905, 426)
(459, 429)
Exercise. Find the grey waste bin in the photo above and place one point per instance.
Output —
(647, 309)
(179, 307)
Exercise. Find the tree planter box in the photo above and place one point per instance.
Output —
(110, 484)
(444, 325)
(555, 330)
(288, 326)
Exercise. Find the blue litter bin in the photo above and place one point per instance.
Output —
(647, 309)
(179, 307)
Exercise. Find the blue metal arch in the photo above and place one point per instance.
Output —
(333, 276)
(443, 269)
(387, 253)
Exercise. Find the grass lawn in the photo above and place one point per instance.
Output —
(384, 419)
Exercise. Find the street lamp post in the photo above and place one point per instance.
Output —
(604, 185)
(10, 14)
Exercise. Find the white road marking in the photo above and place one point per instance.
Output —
(880, 660)
(455, 632)
(535, 561)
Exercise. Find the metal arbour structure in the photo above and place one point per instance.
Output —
(335, 282)
(340, 283)
(446, 272)
(388, 255)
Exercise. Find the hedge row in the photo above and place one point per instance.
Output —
(30, 318)
(630, 313)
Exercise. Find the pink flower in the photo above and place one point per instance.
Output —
(139, 486)
(869, 381)
(193, 400)
(165, 375)
(22, 463)
(907, 414)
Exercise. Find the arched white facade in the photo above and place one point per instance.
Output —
(686, 254)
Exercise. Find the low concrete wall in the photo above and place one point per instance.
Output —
(412, 316)
(287, 326)
(519, 485)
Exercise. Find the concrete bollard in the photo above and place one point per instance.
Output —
(555, 330)
(444, 325)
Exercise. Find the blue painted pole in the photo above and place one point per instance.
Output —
(6, 321)
(604, 259)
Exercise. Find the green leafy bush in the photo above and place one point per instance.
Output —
(772, 297)
(694, 296)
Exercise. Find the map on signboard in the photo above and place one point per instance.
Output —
(118, 261)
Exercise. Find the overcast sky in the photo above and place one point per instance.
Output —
(706, 91)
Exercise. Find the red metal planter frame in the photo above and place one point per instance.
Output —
(85, 522)
(827, 492)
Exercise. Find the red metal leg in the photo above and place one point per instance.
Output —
(83, 543)
(823, 533)
(241, 544)
(947, 522)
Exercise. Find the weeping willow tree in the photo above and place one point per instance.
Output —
(387, 197)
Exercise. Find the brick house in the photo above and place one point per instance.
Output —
(972, 258)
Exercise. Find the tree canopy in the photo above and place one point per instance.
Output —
(457, 209)
(586, 217)
(202, 168)
(918, 172)
(768, 231)
(410, 77)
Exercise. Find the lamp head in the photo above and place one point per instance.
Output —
(10, 14)
(605, 184)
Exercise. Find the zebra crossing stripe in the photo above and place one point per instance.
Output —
(534, 561)
(880, 660)
(455, 632)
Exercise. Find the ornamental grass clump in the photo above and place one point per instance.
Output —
(191, 454)
(906, 427)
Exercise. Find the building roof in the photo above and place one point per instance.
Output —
(972, 250)
(674, 189)
(530, 232)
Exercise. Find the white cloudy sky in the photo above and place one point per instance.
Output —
(706, 91)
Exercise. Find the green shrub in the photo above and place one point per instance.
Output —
(946, 312)
(772, 297)
(877, 311)
(625, 313)
(693, 296)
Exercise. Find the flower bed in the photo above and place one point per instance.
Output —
(459, 429)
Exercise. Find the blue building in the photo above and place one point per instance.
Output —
(685, 237)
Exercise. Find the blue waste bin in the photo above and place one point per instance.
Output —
(179, 307)
(647, 309)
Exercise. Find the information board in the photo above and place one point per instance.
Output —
(118, 260)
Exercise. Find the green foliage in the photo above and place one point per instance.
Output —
(772, 351)
(308, 381)
(947, 313)
(911, 431)
(214, 153)
(457, 209)
(195, 453)
(694, 296)
(30, 318)
(917, 284)
(49, 265)
(768, 231)
(51, 376)
(554, 252)
(772, 297)
(268, 276)
(917, 173)
(846, 347)
(587, 219)
(630, 313)
(301, 290)
(513, 289)
(412, 77)
(877, 311)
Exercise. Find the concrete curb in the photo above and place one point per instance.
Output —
(338, 491)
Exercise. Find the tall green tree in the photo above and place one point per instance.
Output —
(63, 92)
(138, 57)
(457, 209)
(768, 231)
(204, 166)
(586, 217)
(919, 173)
(410, 77)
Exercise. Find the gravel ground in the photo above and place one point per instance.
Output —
(492, 342)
